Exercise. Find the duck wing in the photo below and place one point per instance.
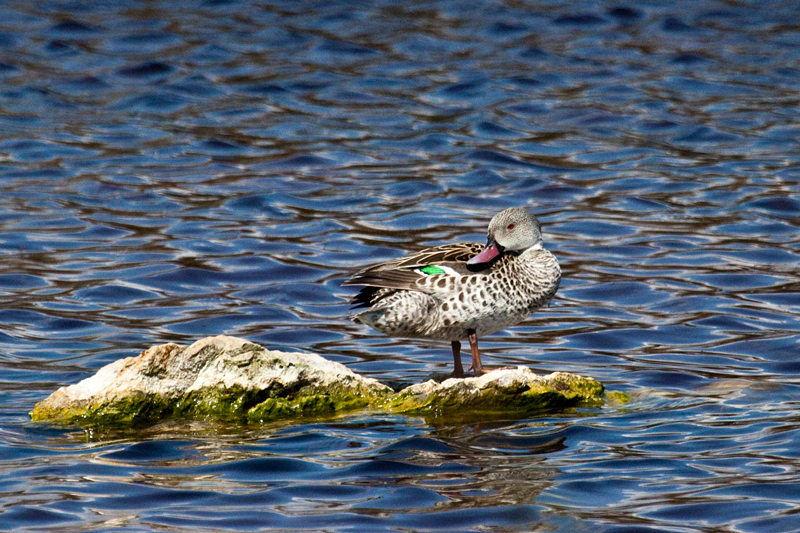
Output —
(382, 279)
(448, 253)
(401, 273)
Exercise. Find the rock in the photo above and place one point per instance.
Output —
(227, 377)
(516, 391)
(215, 377)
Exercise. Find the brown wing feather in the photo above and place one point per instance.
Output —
(390, 279)
(459, 253)
(380, 280)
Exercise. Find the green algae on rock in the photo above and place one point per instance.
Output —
(217, 377)
(512, 391)
(229, 378)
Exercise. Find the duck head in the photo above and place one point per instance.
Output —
(513, 230)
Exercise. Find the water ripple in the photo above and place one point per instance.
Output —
(174, 171)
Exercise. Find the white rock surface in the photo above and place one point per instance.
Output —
(211, 366)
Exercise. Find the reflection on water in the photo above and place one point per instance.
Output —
(174, 171)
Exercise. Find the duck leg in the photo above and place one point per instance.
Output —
(476, 356)
(459, 370)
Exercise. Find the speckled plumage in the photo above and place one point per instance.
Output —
(477, 292)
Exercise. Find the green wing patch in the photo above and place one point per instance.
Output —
(430, 270)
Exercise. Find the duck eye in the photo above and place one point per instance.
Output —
(510, 226)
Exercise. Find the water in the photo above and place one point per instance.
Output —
(175, 170)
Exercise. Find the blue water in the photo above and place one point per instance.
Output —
(171, 170)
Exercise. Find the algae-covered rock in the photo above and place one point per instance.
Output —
(511, 391)
(218, 377)
(230, 378)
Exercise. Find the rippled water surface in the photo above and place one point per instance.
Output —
(171, 170)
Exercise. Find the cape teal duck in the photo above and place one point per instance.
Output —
(459, 291)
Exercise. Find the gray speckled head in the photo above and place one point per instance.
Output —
(515, 229)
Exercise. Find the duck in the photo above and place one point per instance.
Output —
(461, 291)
